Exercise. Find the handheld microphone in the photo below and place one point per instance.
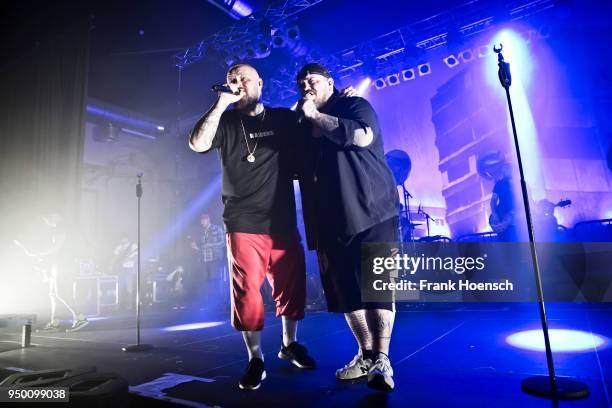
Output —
(223, 89)
(300, 113)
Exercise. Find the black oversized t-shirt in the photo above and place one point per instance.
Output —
(352, 187)
(258, 197)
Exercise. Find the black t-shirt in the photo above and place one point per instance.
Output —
(353, 186)
(258, 197)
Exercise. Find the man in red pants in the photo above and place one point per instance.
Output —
(255, 145)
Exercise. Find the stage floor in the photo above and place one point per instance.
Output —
(443, 356)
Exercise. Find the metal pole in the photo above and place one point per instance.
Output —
(138, 346)
(549, 386)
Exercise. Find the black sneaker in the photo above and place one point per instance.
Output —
(297, 355)
(253, 375)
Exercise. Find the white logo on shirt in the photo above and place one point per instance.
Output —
(261, 134)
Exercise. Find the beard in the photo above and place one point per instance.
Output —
(247, 103)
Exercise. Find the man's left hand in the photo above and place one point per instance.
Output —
(349, 91)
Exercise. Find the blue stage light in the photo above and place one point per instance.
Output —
(380, 83)
(561, 340)
(192, 326)
(424, 69)
(451, 61)
(518, 54)
(183, 218)
(408, 74)
(363, 86)
(392, 79)
(466, 55)
(237, 9)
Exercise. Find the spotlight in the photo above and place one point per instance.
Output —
(451, 61)
(392, 79)
(293, 34)
(290, 38)
(237, 9)
(380, 83)
(484, 51)
(424, 69)
(363, 86)
(466, 55)
(408, 74)
(562, 340)
(259, 50)
(279, 39)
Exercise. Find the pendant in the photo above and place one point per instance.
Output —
(251, 158)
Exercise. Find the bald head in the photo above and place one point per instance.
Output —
(246, 78)
(244, 66)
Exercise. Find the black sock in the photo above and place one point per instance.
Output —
(376, 354)
(367, 354)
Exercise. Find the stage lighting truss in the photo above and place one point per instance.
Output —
(380, 57)
(245, 31)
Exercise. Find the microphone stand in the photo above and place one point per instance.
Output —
(550, 386)
(138, 346)
(427, 218)
(407, 197)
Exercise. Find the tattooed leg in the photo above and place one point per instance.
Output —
(380, 324)
(359, 326)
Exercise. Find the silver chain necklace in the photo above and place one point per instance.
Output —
(251, 156)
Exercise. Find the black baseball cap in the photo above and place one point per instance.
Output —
(313, 68)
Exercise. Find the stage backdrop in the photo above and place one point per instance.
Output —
(445, 120)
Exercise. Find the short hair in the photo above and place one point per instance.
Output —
(241, 64)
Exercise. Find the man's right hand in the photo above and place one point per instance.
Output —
(226, 98)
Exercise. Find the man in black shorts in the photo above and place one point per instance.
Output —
(355, 202)
(256, 145)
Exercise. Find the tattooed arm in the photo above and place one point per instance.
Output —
(360, 134)
(203, 133)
